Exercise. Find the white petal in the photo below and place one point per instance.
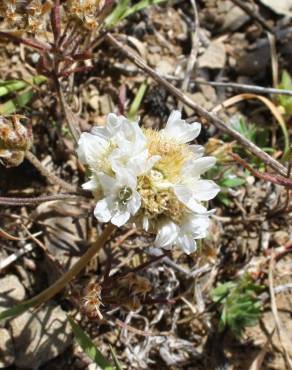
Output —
(166, 235)
(126, 178)
(120, 217)
(113, 122)
(197, 225)
(179, 130)
(186, 243)
(90, 148)
(198, 150)
(101, 132)
(185, 195)
(110, 129)
(145, 223)
(195, 168)
(91, 185)
(108, 183)
(134, 203)
(101, 211)
(205, 189)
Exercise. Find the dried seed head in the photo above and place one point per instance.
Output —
(91, 301)
(85, 12)
(129, 291)
(220, 150)
(26, 15)
(15, 140)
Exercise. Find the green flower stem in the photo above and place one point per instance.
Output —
(50, 292)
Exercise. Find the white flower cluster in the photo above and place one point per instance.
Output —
(151, 178)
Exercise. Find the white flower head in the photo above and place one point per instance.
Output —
(121, 199)
(152, 178)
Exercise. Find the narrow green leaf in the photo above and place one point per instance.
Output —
(116, 361)
(19, 102)
(88, 346)
(137, 101)
(16, 310)
(140, 6)
(117, 14)
(123, 10)
(7, 87)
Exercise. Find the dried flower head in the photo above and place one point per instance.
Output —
(151, 178)
(128, 292)
(26, 15)
(15, 140)
(91, 301)
(85, 12)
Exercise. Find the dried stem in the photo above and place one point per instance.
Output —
(54, 289)
(279, 180)
(53, 179)
(19, 202)
(244, 87)
(69, 116)
(218, 123)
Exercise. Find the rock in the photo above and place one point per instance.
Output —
(214, 57)
(66, 236)
(164, 67)
(234, 19)
(11, 292)
(40, 335)
(200, 99)
(283, 7)
(6, 349)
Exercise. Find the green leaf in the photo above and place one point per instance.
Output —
(88, 346)
(240, 305)
(16, 310)
(141, 5)
(231, 182)
(21, 100)
(137, 101)
(116, 361)
(117, 14)
(123, 10)
(7, 87)
(13, 105)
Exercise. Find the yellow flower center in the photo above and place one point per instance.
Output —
(155, 188)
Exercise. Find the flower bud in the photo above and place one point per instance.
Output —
(15, 140)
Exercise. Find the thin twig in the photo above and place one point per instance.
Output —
(53, 179)
(218, 123)
(19, 202)
(245, 87)
(131, 70)
(14, 256)
(253, 14)
(279, 180)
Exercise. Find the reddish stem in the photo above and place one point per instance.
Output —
(275, 179)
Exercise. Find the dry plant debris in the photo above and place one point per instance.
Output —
(106, 108)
